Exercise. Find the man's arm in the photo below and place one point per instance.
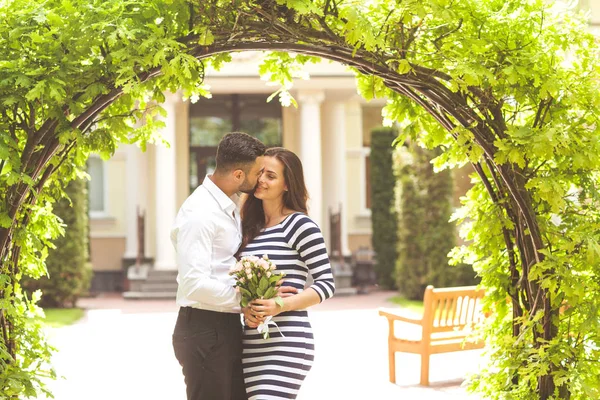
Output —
(194, 253)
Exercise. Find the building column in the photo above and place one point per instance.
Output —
(165, 193)
(132, 201)
(136, 176)
(356, 222)
(335, 162)
(143, 197)
(310, 150)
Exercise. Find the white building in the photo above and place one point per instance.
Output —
(330, 132)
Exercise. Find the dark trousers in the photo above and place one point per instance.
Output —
(208, 345)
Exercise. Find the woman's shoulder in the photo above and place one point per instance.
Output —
(299, 220)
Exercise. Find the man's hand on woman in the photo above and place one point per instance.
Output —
(286, 291)
(251, 320)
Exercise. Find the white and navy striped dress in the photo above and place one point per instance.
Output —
(275, 368)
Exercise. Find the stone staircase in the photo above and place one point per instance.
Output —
(148, 283)
(342, 274)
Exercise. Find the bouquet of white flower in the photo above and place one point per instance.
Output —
(255, 279)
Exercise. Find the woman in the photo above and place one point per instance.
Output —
(275, 223)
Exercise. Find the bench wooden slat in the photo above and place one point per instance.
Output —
(449, 314)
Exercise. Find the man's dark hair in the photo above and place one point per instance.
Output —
(238, 150)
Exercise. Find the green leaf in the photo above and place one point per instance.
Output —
(5, 220)
(206, 37)
(404, 66)
(263, 284)
(245, 291)
(279, 301)
(272, 291)
(252, 286)
(37, 91)
(593, 252)
(370, 87)
(301, 6)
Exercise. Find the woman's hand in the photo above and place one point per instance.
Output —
(251, 320)
(265, 308)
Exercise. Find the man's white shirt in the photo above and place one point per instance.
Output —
(206, 235)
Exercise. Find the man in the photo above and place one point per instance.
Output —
(207, 233)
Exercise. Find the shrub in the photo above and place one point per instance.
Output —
(383, 213)
(69, 268)
(425, 235)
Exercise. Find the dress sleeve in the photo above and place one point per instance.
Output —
(307, 239)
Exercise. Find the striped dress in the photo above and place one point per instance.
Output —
(275, 368)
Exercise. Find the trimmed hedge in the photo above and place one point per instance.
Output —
(69, 267)
(383, 213)
(425, 235)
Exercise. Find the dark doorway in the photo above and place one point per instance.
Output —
(210, 119)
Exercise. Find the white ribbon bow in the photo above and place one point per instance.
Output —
(263, 327)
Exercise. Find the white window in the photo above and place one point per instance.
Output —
(97, 192)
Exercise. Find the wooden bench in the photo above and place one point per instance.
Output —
(449, 314)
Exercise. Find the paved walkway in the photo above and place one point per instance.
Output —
(122, 350)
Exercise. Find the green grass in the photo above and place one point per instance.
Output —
(59, 317)
(415, 306)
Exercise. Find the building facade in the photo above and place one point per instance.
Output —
(329, 131)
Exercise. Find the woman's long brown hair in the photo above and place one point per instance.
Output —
(253, 215)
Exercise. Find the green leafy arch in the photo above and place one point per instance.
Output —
(508, 86)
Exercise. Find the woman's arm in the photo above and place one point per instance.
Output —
(264, 308)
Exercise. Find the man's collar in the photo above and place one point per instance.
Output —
(226, 203)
